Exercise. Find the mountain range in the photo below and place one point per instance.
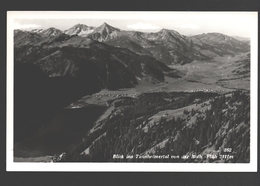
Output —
(167, 46)
(108, 57)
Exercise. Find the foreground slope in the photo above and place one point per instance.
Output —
(178, 127)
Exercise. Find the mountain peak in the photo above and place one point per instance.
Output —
(79, 25)
(167, 31)
(80, 29)
(104, 32)
(49, 32)
(107, 27)
(105, 24)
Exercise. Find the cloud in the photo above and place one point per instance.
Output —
(192, 26)
(142, 26)
(25, 26)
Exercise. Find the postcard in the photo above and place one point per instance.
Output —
(132, 91)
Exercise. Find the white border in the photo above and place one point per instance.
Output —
(139, 167)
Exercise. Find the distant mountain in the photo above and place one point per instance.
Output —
(50, 32)
(167, 46)
(220, 43)
(33, 36)
(80, 29)
(64, 40)
(25, 37)
(131, 40)
(37, 30)
(172, 47)
(104, 32)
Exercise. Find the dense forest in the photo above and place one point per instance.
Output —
(224, 124)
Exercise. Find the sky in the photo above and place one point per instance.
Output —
(186, 23)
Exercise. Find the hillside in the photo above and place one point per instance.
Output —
(197, 127)
(99, 64)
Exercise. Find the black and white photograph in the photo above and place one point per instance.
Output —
(172, 90)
